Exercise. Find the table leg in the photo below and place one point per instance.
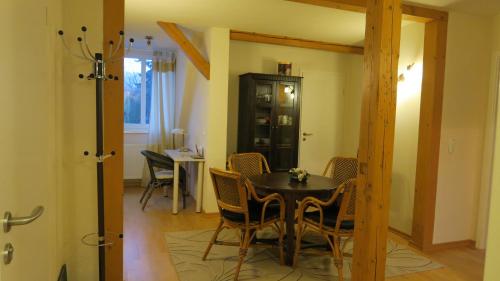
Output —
(290, 229)
(199, 187)
(175, 200)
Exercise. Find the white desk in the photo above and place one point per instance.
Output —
(179, 157)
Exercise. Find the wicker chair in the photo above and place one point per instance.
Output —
(232, 192)
(248, 164)
(341, 169)
(161, 173)
(330, 218)
(332, 224)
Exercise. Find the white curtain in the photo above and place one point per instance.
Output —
(162, 114)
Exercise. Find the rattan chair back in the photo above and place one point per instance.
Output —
(341, 169)
(230, 191)
(348, 203)
(248, 164)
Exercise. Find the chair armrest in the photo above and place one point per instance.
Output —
(266, 200)
(311, 202)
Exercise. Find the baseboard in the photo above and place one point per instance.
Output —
(452, 245)
(436, 247)
(401, 234)
(132, 182)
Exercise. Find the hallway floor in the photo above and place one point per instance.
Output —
(147, 259)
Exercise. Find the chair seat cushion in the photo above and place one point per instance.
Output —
(164, 174)
(329, 218)
(255, 212)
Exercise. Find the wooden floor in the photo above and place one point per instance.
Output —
(147, 258)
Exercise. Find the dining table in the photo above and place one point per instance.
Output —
(292, 191)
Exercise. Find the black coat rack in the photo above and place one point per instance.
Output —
(99, 75)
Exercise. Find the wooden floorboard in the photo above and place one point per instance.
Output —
(147, 259)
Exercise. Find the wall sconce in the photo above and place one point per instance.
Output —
(402, 77)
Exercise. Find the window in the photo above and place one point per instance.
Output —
(138, 74)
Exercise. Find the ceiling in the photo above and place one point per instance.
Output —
(276, 17)
(478, 7)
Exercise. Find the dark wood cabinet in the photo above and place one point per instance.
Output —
(269, 113)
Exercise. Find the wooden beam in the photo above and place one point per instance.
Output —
(431, 104)
(113, 23)
(294, 42)
(410, 12)
(422, 14)
(382, 41)
(191, 52)
(348, 5)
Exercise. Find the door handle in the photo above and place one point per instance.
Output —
(306, 134)
(9, 221)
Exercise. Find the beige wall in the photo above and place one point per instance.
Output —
(314, 66)
(465, 103)
(76, 126)
(217, 102)
(406, 130)
(191, 89)
(133, 161)
(201, 105)
(352, 105)
(489, 203)
(407, 120)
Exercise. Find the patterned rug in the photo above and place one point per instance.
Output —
(187, 248)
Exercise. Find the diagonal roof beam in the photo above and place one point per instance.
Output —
(187, 47)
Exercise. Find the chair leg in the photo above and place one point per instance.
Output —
(148, 196)
(146, 190)
(184, 198)
(243, 252)
(281, 242)
(298, 244)
(338, 258)
(214, 238)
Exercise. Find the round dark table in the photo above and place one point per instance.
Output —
(279, 182)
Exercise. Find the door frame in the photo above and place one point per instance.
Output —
(434, 58)
(113, 23)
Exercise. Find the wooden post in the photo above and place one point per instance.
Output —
(382, 40)
(113, 22)
(429, 133)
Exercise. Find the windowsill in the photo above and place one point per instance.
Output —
(136, 131)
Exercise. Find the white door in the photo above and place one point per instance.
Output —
(27, 136)
(321, 119)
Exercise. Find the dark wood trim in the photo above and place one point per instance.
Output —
(376, 143)
(431, 105)
(294, 42)
(113, 23)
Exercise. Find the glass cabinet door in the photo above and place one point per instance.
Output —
(263, 116)
(285, 125)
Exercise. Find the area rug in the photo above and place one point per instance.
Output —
(187, 248)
